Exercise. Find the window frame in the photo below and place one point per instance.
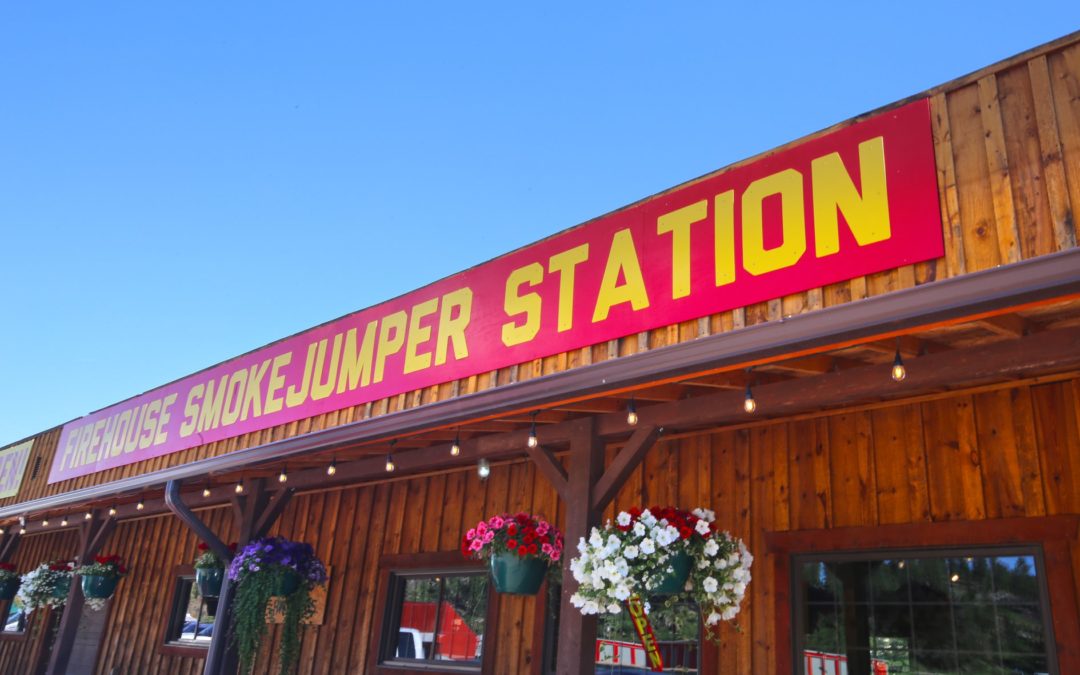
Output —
(399, 566)
(1050, 538)
(180, 575)
(16, 636)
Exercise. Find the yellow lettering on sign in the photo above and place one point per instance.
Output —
(234, 397)
(418, 335)
(161, 435)
(452, 324)
(758, 260)
(277, 381)
(131, 438)
(529, 304)
(724, 237)
(867, 215)
(149, 425)
(391, 338)
(322, 386)
(294, 395)
(563, 264)
(622, 263)
(191, 410)
(210, 416)
(122, 426)
(677, 224)
(356, 365)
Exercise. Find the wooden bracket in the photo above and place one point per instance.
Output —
(625, 462)
(552, 468)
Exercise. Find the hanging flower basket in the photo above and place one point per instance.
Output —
(662, 551)
(208, 580)
(519, 548)
(265, 568)
(99, 579)
(210, 570)
(47, 585)
(98, 587)
(515, 575)
(675, 579)
(9, 581)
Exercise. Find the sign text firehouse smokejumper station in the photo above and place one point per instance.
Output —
(859, 200)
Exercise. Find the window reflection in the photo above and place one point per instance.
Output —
(922, 614)
(439, 618)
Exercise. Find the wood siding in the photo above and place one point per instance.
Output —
(1007, 144)
(1003, 453)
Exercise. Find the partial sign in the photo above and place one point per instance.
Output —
(859, 200)
(12, 467)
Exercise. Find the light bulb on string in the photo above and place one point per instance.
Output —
(140, 506)
(112, 510)
(63, 522)
(631, 413)
(483, 468)
(390, 458)
(899, 372)
(749, 404)
(87, 515)
(45, 523)
(282, 477)
(206, 491)
(533, 441)
(455, 447)
(331, 469)
(239, 489)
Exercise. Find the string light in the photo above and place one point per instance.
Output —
(87, 515)
(22, 531)
(206, 491)
(282, 477)
(955, 577)
(1, 530)
(112, 510)
(455, 447)
(533, 441)
(140, 506)
(631, 413)
(239, 489)
(63, 522)
(749, 404)
(483, 469)
(45, 523)
(899, 372)
(390, 458)
(332, 468)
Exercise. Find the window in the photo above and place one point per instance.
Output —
(16, 619)
(924, 611)
(190, 621)
(437, 612)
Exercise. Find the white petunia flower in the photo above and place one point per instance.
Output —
(647, 546)
(711, 547)
(702, 527)
(623, 519)
(630, 552)
(710, 585)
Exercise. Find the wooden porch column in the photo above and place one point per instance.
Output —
(92, 536)
(577, 632)
(587, 489)
(255, 512)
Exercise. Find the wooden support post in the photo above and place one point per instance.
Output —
(577, 633)
(255, 511)
(9, 542)
(92, 536)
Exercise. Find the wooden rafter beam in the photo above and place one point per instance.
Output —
(625, 462)
(1006, 325)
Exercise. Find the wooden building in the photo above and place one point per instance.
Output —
(967, 467)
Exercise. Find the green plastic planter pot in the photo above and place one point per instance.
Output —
(9, 588)
(208, 580)
(516, 575)
(290, 581)
(99, 587)
(62, 588)
(674, 581)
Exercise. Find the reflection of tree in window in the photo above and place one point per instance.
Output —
(963, 613)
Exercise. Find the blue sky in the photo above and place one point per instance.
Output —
(184, 182)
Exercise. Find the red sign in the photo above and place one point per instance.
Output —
(859, 200)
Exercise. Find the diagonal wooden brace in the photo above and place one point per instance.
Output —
(625, 462)
(552, 468)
